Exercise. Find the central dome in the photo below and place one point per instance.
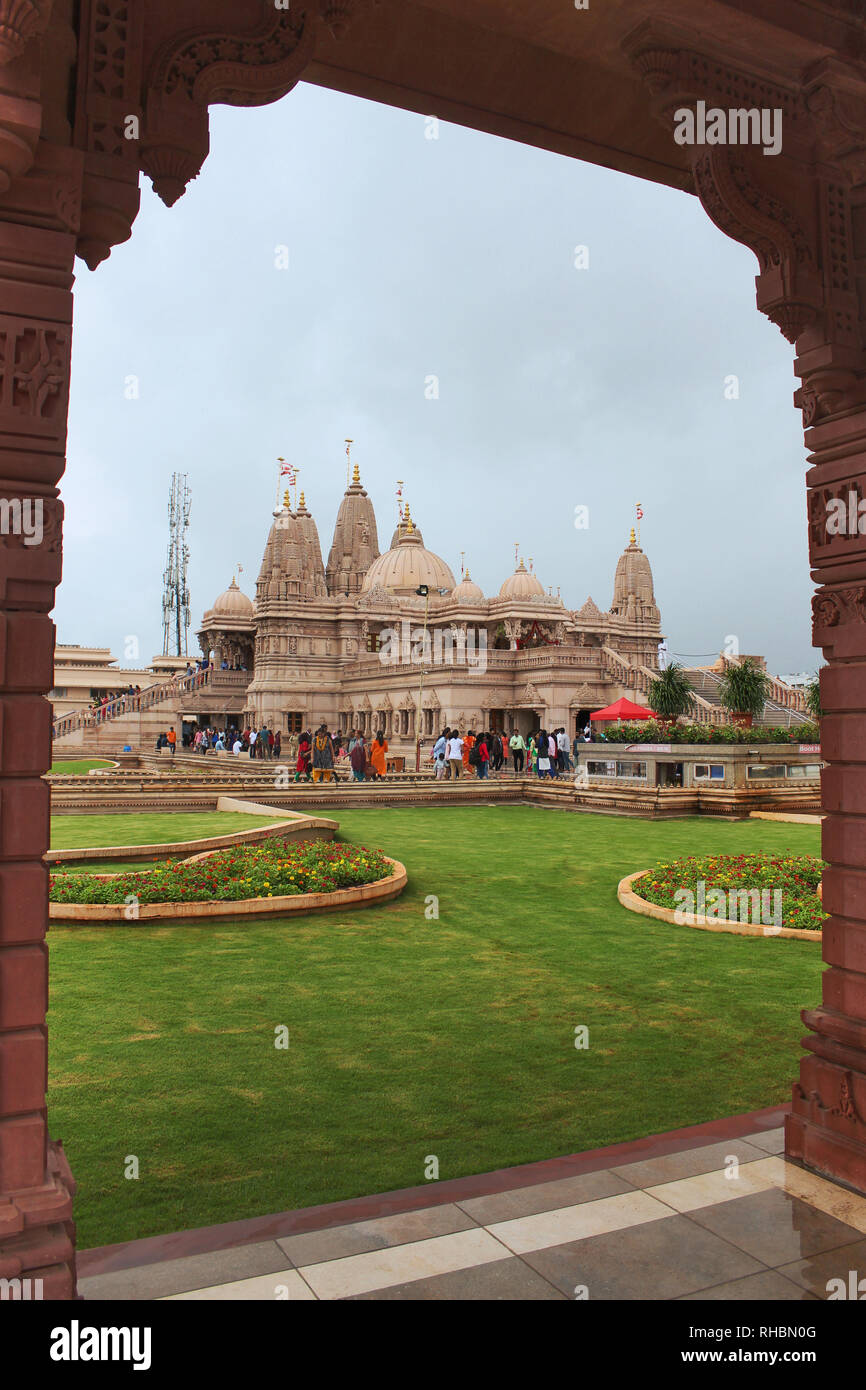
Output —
(408, 564)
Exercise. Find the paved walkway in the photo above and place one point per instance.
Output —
(687, 1215)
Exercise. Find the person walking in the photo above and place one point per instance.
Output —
(454, 753)
(358, 758)
(468, 744)
(542, 761)
(498, 753)
(253, 738)
(553, 754)
(302, 767)
(323, 755)
(518, 749)
(563, 749)
(378, 750)
(439, 748)
(171, 738)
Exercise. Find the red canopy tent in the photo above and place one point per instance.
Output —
(623, 709)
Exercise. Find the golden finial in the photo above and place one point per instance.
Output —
(303, 503)
(286, 502)
(631, 539)
(356, 476)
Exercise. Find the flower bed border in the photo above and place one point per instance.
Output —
(630, 900)
(362, 895)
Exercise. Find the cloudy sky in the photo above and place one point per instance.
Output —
(410, 258)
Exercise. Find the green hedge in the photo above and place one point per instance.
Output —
(650, 732)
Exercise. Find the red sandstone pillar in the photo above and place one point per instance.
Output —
(37, 244)
(803, 213)
(827, 1129)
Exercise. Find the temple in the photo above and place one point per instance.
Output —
(355, 644)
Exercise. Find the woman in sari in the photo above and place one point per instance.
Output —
(531, 755)
(378, 750)
(468, 743)
(305, 752)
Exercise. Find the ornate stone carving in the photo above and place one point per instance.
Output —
(198, 69)
(34, 370)
(590, 612)
(20, 21)
(832, 607)
(529, 697)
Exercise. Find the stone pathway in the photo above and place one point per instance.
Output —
(725, 1219)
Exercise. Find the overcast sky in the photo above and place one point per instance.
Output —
(411, 258)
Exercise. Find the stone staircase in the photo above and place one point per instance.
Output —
(786, 707)
(134, 719)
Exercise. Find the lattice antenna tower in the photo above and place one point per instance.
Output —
(175, 599)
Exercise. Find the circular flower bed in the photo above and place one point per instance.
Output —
(796, 877)
(273, 869)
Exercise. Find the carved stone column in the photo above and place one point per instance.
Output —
(38, 223)
(803, 213)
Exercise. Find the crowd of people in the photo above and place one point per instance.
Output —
(542, 753)
(320, 755)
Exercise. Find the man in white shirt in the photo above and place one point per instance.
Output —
(455, 754)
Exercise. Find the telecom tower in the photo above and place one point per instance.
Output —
(175, 600)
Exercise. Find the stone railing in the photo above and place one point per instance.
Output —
(135, 703)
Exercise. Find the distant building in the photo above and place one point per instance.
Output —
(85, 675)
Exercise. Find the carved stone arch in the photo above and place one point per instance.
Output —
(198, 69)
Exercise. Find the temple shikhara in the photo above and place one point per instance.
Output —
(345, 641)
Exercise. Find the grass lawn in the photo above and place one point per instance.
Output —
(147, 828)
(412, 1036)
(79, 769)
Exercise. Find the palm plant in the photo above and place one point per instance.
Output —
(670, 694)
(744, 689)
(813, 699)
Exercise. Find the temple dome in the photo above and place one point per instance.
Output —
(521, 585)
(232, 603)
(408, 564)
(633, 577)
(468, 591)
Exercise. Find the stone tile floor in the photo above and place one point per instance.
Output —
(725, 1220)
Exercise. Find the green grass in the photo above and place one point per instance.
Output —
(409, 1036)
(156, 828)
(79, 769)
